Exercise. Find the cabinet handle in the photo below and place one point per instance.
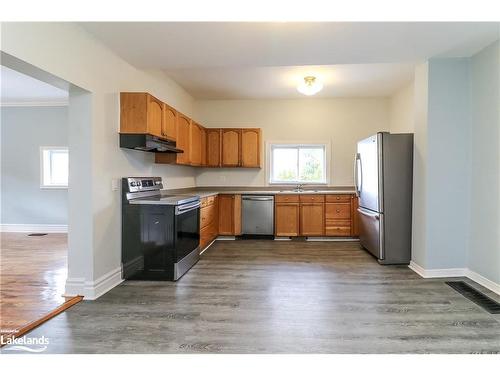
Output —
(338, 211)
(157, 222)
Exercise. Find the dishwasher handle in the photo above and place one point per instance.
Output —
(256, 198)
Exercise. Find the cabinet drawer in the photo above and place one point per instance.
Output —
(339, 228)
(338, 210)
(207, 234)
(312, 198)
(286, 198)
(338, 198)
(208, 201)
(207, 216)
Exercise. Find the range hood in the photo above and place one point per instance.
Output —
(148, 143)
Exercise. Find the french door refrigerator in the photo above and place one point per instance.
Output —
(383, 176)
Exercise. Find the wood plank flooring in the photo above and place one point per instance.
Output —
(279, 297)
(32, 277)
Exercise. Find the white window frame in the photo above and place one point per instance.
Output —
(269, 147)
(50, 148)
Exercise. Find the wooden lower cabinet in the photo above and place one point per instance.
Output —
(286, 219)
(354, 216)
(209, 221)
(229, 214)
(338, 219)
(316, 215)
(312, 219)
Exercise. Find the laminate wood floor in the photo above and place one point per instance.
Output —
(32, 277)
(279, 297)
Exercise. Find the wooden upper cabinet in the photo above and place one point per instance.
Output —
(312, 219)
(231, 147)
(140, 113)
(250, 148)
(169, 122)
(183, 138)
(203, 146)
(213, 147)
(195, 144)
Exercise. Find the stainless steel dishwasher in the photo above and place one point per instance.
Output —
(258, 215)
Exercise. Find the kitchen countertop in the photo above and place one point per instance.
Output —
(204, 193)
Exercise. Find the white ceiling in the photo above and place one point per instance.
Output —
(281, 82)
(250, 60)
(20, 89)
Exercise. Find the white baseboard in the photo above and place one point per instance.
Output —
(437, 272)
(455, 272)
(91, 290)
(225, 238)
(34, 228)
(332, 239)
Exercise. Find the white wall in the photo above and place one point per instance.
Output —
(419, 209)
(441, 181)
(23, 131)
(484, 244)
(401, 110)
(67, 51)
(448, 163)
(341, 121)
(456, 221)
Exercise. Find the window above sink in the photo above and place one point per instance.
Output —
(298, 164)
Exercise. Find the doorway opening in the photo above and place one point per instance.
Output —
(36, 183)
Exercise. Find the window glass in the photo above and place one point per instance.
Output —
(301, 164)
(54, 167)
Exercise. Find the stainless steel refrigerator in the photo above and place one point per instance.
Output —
(383, 175)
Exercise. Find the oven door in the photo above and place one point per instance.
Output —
(187, 229)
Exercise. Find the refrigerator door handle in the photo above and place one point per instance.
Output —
(370, 214)
(357, 170)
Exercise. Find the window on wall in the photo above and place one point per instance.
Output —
(298, 164)
(54, 167)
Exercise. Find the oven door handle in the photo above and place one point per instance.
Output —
(182, 209)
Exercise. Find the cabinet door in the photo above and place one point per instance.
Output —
(354, 216)
(195, 144)
(287, 219)
(250, 148)
(155, 116)
(312, 219)
(213, 147)
(231, 139)
(226, 210)
(183, 131)
(169, 122)
(203, 146)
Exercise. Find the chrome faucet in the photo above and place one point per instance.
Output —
(299, 187)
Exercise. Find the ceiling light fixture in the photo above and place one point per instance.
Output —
(310, 86)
